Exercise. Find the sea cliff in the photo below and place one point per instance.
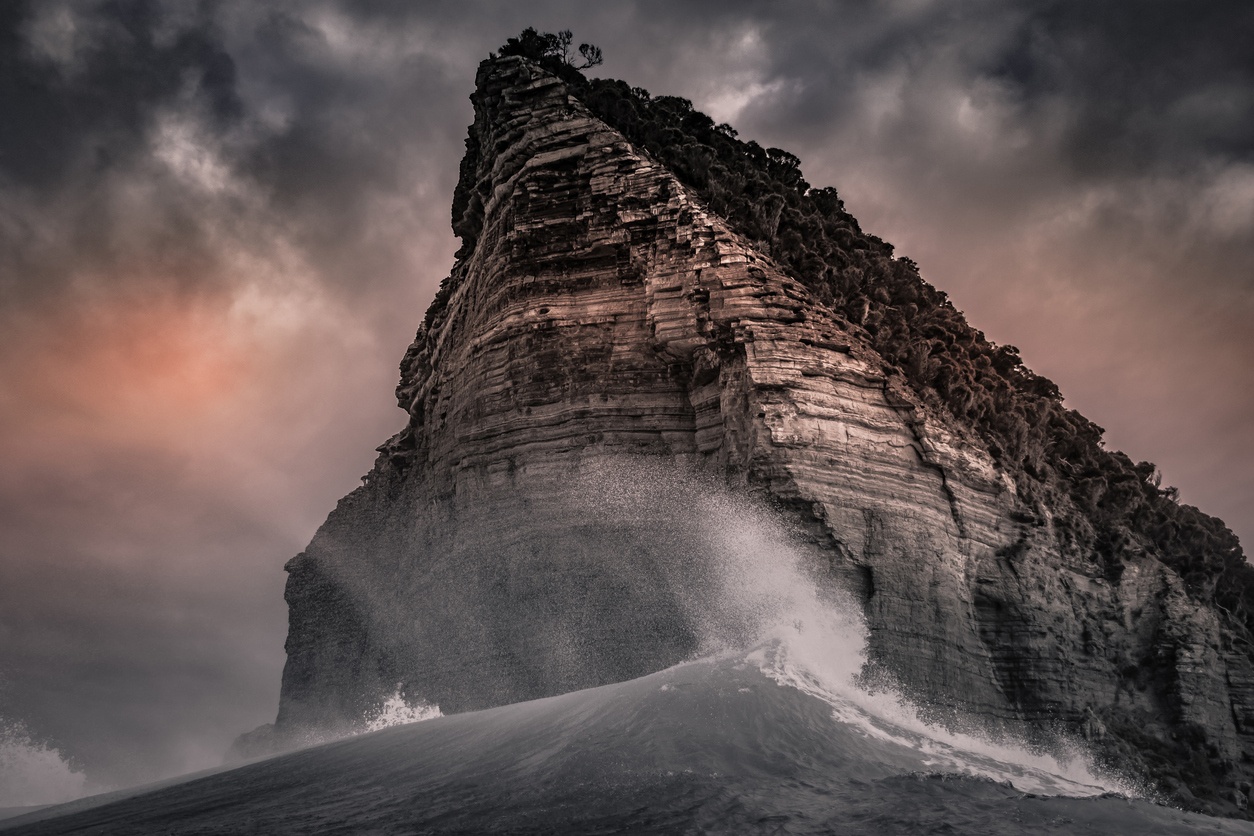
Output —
(600, 311)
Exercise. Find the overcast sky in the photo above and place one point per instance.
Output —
(221, 223)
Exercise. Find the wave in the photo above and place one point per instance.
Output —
(34, 773)
(772, 726)
(397, 710)
(713, 745)
(764, 591)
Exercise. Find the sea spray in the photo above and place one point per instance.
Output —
(397, 711)
(753, 584)
(34, 773)
(627, 565)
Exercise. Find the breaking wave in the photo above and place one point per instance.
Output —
(34, 773)
(397, 711)
(771, 727)
(765, 595)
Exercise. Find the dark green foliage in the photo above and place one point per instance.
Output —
(552, 51)
(1053, 452)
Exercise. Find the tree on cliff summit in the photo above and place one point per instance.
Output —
(546, 48)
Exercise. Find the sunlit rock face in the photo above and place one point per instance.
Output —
(599, 311)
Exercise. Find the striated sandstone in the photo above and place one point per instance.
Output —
(597, 310)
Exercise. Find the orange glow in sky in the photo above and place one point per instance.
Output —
(129, 369)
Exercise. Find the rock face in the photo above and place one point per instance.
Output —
(598, 310)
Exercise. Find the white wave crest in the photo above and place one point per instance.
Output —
(395, 711)
(34, 773)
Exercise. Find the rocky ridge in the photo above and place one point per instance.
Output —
(598, 309)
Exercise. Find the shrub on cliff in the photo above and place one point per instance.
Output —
(552, 50)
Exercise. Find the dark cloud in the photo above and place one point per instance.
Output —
(1158, 82)
(81, 93)
(88, 107)
(220, 224)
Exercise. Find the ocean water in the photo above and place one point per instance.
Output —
(718, 745)
(770, 728)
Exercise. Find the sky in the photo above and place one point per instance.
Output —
(221, 224)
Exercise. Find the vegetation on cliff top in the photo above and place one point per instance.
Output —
(1120, 508)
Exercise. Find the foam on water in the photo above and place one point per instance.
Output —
(396, 711)
(765, 591)
(33, 773)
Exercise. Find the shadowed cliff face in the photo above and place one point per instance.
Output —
(597, 315)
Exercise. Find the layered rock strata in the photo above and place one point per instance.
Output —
(598, 310)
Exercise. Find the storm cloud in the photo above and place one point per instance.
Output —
(221, 222)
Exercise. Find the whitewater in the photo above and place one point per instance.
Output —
(33, 772)
(774, 726)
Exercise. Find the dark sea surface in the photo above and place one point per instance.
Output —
(721, 745)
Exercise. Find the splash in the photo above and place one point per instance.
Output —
(33, 773)
(814, 639)
(762, 591)
(395, 711)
